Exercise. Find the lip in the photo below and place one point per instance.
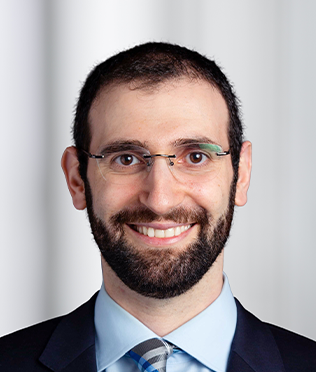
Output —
(159, 242)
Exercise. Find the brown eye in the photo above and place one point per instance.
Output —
(126, 160)
(196, 157)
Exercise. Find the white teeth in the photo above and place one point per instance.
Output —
(158, 233)
(151, 232)
(169, 233)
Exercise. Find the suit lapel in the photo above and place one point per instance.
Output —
(254, 348)
(237, 364)
(71, 346)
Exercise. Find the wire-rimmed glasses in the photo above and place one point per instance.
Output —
(193, 162)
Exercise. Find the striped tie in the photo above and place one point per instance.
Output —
(151, 355)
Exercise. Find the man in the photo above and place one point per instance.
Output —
(159, 162)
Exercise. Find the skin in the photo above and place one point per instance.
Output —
(174, 110)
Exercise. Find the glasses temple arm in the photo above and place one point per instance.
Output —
(91, 156)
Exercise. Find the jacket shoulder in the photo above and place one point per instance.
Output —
(22, 348)
(266, 347)
(298, 352)
(50, 343)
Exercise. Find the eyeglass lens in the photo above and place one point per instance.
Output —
(188, 163)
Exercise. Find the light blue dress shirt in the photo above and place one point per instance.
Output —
(205, 340)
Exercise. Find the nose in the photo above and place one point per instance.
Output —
(161, 192)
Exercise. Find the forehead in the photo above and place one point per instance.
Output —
(160, 116)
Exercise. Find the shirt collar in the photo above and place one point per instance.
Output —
(207, 336)
(117, 331)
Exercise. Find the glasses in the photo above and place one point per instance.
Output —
(194, 162)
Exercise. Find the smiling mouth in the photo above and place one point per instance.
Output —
(158, 233)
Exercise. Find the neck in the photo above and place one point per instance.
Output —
(164, 316)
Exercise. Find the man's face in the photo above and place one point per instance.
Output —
(197, 214)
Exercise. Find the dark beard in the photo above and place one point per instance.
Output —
(161, 273)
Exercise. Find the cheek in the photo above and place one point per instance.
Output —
(213, 196)
(110, 199)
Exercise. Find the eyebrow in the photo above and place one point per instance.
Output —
(190, 141)
(122, 145)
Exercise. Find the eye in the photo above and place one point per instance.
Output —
(126, 160)
(196, 158)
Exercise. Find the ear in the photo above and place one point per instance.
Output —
(70, 165)
(244, 172)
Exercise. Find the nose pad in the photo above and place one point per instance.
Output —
(169, 161)
(151, 159)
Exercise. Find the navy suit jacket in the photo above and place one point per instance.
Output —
(66, 344)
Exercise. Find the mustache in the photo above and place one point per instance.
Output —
(179, 215)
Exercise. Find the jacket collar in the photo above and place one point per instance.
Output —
(71, 346)
(254, 348)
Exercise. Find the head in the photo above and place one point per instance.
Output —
(146, 66)
(158, 95)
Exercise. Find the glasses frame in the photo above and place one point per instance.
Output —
(100, 156)
(149, 158)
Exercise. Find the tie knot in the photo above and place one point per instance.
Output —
(151, 355)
